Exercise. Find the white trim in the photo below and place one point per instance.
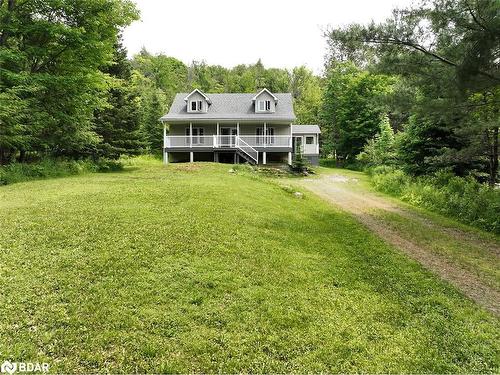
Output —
(264, 158)
(265, 90)
(191, 156)
(199, 92)
(290, 158)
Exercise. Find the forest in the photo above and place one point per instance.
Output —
(419, 93)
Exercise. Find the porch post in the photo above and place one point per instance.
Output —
(265, 140)
(191, 156)
(217, 135)
(190, 134)
(264, 161)
(290, 158)
(165, 154)
(238, 129)
(291, 135)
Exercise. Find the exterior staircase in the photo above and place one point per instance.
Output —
(246, 151)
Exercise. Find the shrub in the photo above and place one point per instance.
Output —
(328, 163)
(50, 168)
(464, 199)
(300, 165)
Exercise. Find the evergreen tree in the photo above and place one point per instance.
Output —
(118, 124)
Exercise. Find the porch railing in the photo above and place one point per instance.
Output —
(216, 141)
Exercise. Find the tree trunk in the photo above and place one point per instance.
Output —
(494, 158)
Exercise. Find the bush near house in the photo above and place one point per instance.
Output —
(464, 199)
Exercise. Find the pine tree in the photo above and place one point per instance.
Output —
(118, 124)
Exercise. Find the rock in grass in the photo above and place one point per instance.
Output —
(298, 194)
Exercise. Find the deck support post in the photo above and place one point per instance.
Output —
(165, 157)
(191, 156)
(290, 158)
(264, 161)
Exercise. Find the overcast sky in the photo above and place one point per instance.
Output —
(282, 33)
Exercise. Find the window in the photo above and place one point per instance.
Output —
(196, 106)
(197, 136)
(270, 136)
(309, 140)
(259, 136)
(264, 105)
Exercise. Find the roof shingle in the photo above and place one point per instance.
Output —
(231, 107)
(306, 129)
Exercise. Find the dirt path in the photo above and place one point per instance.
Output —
(365, 205)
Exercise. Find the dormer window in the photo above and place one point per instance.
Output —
(196, 105)
(264, 105)
(196, 101)
(265, 102)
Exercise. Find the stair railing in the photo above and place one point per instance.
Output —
(247, 149)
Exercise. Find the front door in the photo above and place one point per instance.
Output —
(228, 137)
(297, 145)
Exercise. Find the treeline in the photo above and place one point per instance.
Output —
(419, 92)
(68, 90)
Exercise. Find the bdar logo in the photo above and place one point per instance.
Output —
(8, 367)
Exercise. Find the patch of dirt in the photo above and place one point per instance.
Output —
(187, 167)
(339, 190)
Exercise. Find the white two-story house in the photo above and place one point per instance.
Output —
(233, 128)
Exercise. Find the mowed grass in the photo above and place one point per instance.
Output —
(189, 268)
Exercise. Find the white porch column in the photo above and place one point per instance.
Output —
(217, 145)
(290, 158)
(265, 140)
(264, 161)
(238, 129)
(191, 156)
(165, 154)
(191, 135)
(291, 135)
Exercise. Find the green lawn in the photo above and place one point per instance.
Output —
(194, 269)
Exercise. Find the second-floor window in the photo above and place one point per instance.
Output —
(264, 105)
(196, 105)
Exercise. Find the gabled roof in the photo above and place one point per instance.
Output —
(231, 107)
(265, 90)
(199, 92)
(306, 129)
